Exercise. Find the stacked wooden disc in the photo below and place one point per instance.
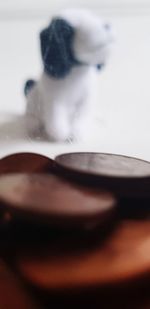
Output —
(82, 247)
(126, 176)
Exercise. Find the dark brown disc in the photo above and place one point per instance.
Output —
(123, 258)
(125, 175)
(25, 163)
(54, 200)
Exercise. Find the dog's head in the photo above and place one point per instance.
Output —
(75, 37)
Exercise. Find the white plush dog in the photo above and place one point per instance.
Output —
(73, 46)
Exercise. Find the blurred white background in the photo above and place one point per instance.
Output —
(124, 85)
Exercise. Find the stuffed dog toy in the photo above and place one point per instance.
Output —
(73, 46)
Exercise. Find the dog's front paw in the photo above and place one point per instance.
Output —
(57, 132)
(83, 130)
(79, 133)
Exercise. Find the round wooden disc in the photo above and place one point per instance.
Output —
(122, 258)
(105, 164)
(54, 200)
(125, 175)
(25, 163)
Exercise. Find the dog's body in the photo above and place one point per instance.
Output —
(61, 102)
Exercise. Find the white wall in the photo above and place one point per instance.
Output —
(44, 7)
(15, 4)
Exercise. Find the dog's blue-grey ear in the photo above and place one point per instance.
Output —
(56, 48)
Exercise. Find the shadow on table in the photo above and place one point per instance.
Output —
(14, 127)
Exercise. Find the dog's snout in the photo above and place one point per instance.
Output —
(107, 26)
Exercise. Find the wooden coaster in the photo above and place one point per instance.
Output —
(109, 165)
(126, 176)
(25, 163)
(52, 200)
(121, 259)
